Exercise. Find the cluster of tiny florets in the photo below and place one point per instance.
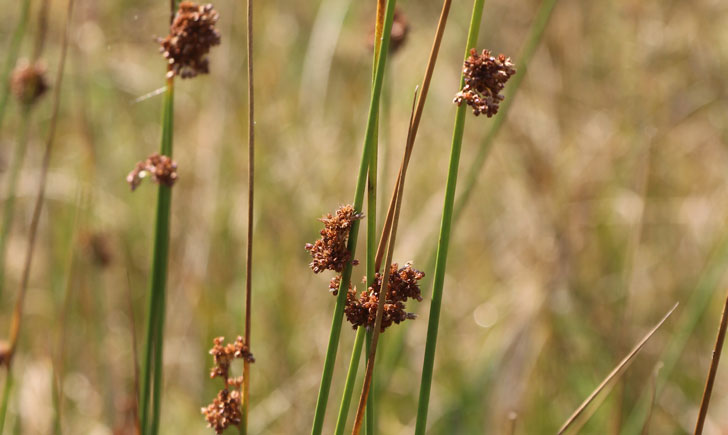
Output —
(28, 82)
(223, 356)
(402, 285)
(485, 77)
(329, 252)
(162, 169)
(190, 38)
(224, 411)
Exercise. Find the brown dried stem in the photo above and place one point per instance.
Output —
(717, 350)
(618, 370)
(390, 226)
(251, 190)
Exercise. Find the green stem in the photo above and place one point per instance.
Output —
(350, 381)
(6, 397)
(11, 58)
(9, 207)
(369, 140)
(444, 240)
(153, 353)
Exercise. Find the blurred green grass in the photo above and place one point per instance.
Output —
(601, 205)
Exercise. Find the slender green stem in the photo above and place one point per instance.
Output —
(153, 353)
(336, 321)
(350, 381)
(11, 57)
(444, 240)
(6, 397)
(12, 187)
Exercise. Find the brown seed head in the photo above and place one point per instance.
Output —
(362, 311)
(485, 77)
(224, 411)
(28, 82)
(162, 169)
(329, 252)
(190, 38)
(223, 355)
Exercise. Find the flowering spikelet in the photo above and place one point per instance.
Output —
(329, 252)
(485, 76)
(190, 38)
(162, 169)
(362, 311)
(28, 82)
(225, 409)
(223, 355)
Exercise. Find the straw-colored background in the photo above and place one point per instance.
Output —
(602, 204)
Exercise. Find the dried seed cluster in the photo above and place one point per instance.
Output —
(485, 77)
(362, 310)
(190, 38)
(162, 169)
(329, 252)
(223, 355)
(225, 409)
(28, 82)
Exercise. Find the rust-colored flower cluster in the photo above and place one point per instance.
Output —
(329, 252)
(28, 82)
(225, 409)
(362, 310)
(162, 169)
(485, 77)
(190, 38)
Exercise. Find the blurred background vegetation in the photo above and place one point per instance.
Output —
(602, 204)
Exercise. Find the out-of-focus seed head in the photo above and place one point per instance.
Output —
(485, 77)
(398, 35)
(98, 247)
(28, 82)
(162, 169)
(190, 38)
(329, 252)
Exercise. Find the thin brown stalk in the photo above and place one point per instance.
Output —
(392, 227)
(251, 190)
(618, 370)
(705, 402)
(35, 220)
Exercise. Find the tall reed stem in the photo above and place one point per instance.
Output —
(370, 138)
(412, 134)
(11, 57)
(251, 191)
(372, 269)
(17, 318)
(444, 239)
(717, 350)
(151, 390)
